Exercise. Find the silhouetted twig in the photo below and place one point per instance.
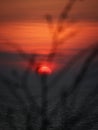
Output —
(82, 73)
(24, 80)
(14, 45)
(71, 63)
(12, 86)
(62, 17)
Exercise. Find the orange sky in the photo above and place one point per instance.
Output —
(23, 23)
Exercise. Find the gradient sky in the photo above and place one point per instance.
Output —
(22, 22)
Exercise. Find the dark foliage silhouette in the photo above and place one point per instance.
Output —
(62, 116)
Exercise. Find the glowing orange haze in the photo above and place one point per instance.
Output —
(36, 38)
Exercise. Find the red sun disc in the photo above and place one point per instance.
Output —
(44, 69)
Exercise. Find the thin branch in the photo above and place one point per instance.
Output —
(62, 17)
(14, 45)
(67, 67)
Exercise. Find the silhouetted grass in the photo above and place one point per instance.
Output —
(15, 46)
(68, 66)
(60, 28)
(68, 121)
(87, 62)
(12, 86)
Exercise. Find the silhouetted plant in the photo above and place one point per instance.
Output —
(14, 45)
(67, 122)
(60, 29)
(71, 63)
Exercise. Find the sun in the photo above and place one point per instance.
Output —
(44, 69)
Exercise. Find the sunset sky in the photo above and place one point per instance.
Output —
(23, 22)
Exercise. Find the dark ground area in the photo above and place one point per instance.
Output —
(72, 97)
